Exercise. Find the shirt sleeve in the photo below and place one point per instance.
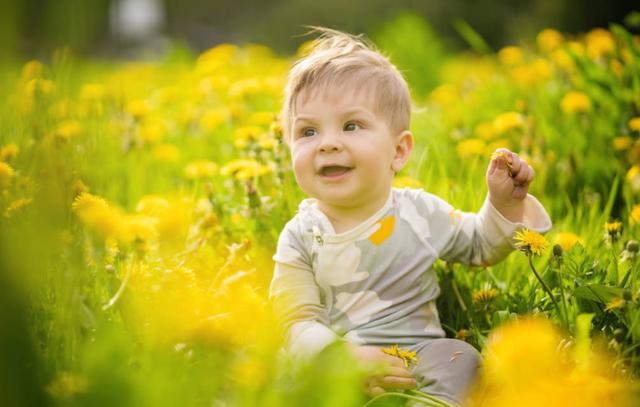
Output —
(484, 238)
(295, 296)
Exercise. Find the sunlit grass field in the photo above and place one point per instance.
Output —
(141, 202)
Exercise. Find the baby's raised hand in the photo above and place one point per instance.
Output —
(508, 176)
(388, 372)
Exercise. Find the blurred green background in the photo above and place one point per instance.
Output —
(117, 28)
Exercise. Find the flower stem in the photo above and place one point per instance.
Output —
(544, 285)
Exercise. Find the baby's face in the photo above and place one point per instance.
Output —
(342, 150)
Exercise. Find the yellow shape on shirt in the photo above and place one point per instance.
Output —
(384, 231)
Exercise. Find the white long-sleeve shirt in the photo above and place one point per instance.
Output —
(375, 284)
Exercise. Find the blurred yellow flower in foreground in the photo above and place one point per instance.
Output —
(530, 242)
(634, 124)
(549, 40)
(567, 240)
(575, 102)
(511, 55)
(525, 365)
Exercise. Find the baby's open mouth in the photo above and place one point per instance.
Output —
(334, 170)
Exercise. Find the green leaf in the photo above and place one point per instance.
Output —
(597, 293)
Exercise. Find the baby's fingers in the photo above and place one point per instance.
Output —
(400, 383)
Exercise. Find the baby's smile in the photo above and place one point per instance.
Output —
(334, 171)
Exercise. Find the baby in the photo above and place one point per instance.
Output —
(355, 263)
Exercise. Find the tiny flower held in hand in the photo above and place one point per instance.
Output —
(407, 356)
(530, 242)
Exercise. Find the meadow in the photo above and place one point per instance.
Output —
(141, 202)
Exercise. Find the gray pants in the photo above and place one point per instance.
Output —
(446, 368)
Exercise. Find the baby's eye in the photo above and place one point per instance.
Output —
(309, 132)
(351, 126)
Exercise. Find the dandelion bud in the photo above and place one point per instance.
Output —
(632, 246)
(619, 334)
(557, 250)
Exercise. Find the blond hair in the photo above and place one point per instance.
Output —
(339, 59)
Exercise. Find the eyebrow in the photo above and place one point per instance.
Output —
(347, 112)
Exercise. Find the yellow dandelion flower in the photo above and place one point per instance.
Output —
(151, 131)
(8, 152)
(485, 130)
(575, 102)
(32, 69)
(599, 42)
(471, 147)
(214, 118)
(245, 87)
(262, 118)
(168, 153)
(153, 205)
(444, 94)
(567, 240)
(68, 129)
(530, 242)
(200, 169)
(6, 173)
(408, 357)
(95, 213)
(406, 182)
(633, 178)
(634, 124)
(511, 55)
(139, 227)
(92, 92)
(616, 303)
(622, 143)
(216, 58)
(613, 227)
(247, 134)
(612, 231)
(549, 40)
(243, 169)
(563, 60)
(484, 296)
(508, 121)
(15, 206)
(137, 108)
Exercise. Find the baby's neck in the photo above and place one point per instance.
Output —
(344, 219)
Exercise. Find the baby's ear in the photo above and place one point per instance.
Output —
(404, 146)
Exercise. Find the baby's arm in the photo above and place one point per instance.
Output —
(296, 296)
(482, 238)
